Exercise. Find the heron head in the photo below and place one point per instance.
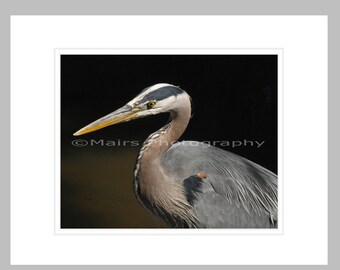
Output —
(159, 98)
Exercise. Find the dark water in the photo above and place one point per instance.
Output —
(97, 192)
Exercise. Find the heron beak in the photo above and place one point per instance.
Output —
(123, 114)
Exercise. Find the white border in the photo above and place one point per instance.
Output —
(162, 231)
(304, 40)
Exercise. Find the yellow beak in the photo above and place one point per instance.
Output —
(123, 114)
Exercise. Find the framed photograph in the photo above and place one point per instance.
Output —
(233, 110)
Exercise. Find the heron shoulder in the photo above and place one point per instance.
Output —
(236, 179)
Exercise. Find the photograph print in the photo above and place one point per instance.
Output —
(168, 141)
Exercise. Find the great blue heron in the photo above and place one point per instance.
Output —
(190, 184)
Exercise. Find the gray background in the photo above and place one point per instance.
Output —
(175, 7)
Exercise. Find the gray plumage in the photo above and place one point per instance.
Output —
(236, 193)
(191, 184)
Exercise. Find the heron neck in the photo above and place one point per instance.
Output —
(158, 143)
(155, 188)
(165, 137)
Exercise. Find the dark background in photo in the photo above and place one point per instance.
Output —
(235, 98)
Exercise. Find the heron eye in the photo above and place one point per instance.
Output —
(150, 104)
